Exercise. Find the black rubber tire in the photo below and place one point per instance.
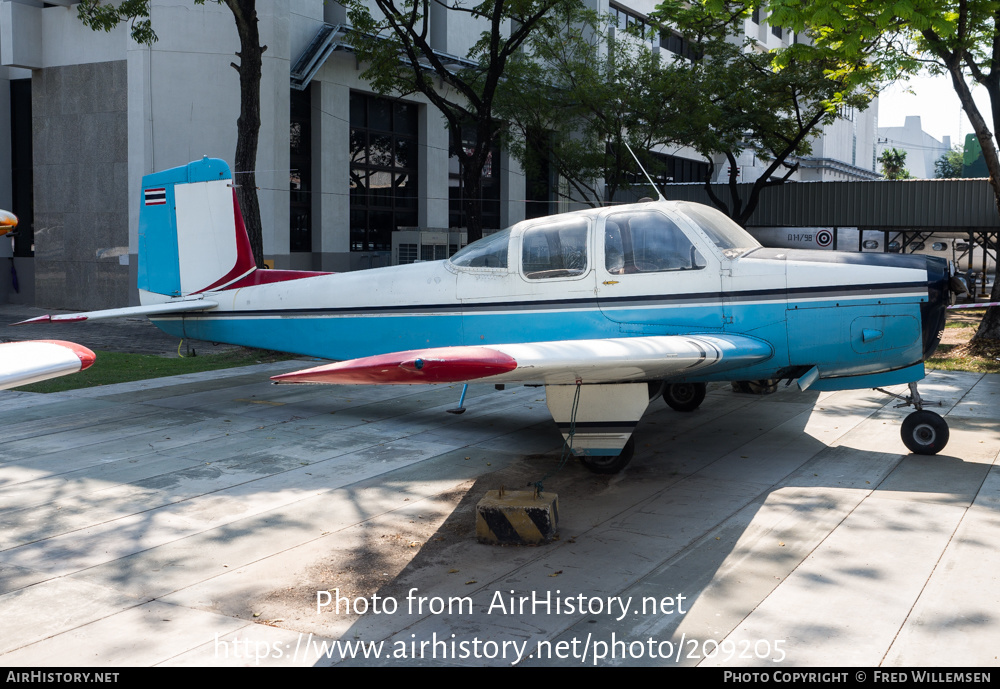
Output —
(610, 465)
(684, 396)
(924, 432)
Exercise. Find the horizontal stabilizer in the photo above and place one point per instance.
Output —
(562, 362)
(22, 363)
(147, 310)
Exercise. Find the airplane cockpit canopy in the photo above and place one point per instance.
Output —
(488, 252)
(720, 228)
(637, 239)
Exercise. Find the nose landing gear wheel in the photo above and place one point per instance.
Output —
(924, 432)
(684, 396)
(608, 464)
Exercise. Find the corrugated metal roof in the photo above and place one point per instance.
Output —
(907, 204)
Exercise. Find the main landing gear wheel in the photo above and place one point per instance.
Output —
(610, 464)
(684, 396)
(924, 432)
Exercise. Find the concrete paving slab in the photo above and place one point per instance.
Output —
(845, 603)
(99, 425)
(141, 635)
(158, 523)
(957, 617)
(38, 612)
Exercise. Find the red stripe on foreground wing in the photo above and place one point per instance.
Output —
(86, 357)
(441, 365)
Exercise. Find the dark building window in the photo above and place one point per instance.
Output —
(490, 186)
(755, 17)
(678, 45)
(300, 179)
(22, 204)
(626, 19)
(383, 174)
(776, 31)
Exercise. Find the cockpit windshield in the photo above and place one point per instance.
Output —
(726, 234)
(488, 252)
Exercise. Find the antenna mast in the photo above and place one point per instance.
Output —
(648, 178)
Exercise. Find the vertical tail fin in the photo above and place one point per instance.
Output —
(191, 233)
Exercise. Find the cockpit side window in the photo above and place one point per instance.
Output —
(555, 250)
(647, 242)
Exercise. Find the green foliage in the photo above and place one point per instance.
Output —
(105, 17)
(583, 95)
(893, 162)
(949, 166)
(578, 96)
(768, 103)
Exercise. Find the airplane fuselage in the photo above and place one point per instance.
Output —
(847, 314)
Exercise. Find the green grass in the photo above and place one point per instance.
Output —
(118, 367)
(963, 364)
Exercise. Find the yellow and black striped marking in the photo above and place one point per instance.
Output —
(517, 517)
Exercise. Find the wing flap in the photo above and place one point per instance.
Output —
(147, 310)
(560, 362)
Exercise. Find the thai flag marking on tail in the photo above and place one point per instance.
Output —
(155, 197)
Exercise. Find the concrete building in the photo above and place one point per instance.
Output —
(339, 167)
(922, 149)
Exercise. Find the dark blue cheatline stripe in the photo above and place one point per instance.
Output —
(599, 426)
(707, 298)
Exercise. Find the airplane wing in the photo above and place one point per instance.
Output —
(22, 363)
(562, 362)
(148, 310)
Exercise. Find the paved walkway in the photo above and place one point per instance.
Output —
(197, 520)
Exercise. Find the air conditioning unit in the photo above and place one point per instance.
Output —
(411, 245)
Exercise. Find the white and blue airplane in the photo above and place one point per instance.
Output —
(605, 308)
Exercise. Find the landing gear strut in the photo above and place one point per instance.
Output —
(923, 431)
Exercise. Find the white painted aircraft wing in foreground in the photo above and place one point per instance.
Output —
(564, 362)
(22, 363)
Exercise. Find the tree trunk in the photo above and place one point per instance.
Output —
(989, 327)
(472, 198)
(472, 164)
(248, 124)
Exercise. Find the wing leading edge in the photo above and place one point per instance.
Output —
(562, 362)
